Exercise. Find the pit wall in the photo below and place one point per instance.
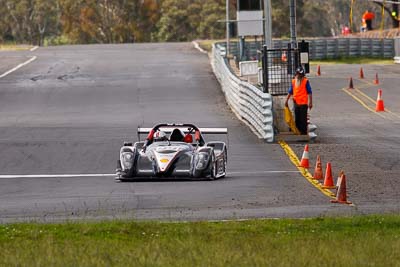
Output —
(397, 50)
(248, 102)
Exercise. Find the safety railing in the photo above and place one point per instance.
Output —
(248, 102)
(324, 48)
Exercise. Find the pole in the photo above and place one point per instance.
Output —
(293, 33)
(265, 68)
(268, 23)
(351, 16)
(227, 29)
(395, 15)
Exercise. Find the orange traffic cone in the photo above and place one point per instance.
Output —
(304, 159)
(351, 83)
(361, 73)
(379, 102)
(284, 57)
(341, 195)
(319, 70)
(318, 169)
(328, 181)
(376, 81)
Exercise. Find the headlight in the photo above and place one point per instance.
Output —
(202, 161)
(127, 156)
(127, 160)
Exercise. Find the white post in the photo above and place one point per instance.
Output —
(268, 23)
(227, 28)
(293, 33)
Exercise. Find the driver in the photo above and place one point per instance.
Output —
(160, 136)
(156, 137)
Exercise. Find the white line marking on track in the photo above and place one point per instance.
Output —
(18, 67)
(262, 172)
(56, 176)
(197, 46)
(18, 176)
(33, 48)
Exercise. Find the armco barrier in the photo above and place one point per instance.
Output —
(249, 103)
(324, 48)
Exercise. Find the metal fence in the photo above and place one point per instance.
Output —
(279, 67)
(329, 48)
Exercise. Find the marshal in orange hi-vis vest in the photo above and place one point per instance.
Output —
(300, 94)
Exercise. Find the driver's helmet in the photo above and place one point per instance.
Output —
(188, 138)
(159, 136)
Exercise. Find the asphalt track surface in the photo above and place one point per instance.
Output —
(68, 112)
(355, 138)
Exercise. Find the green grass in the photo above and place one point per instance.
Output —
(359, 241)
(206, 44)
(14, 47)
(353, 60)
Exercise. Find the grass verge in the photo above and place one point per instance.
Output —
(353, 60)
(14, 47)
(358, 241)
(207, 44)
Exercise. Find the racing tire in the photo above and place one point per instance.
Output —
(213, 168)
(123, 177)
(224, 162)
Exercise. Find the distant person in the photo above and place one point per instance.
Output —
(346, 30)
(363, 26)
(302, 99)
(368, 16)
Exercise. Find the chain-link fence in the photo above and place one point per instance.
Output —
(279, 66)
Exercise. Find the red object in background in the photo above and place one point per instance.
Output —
(346, 30)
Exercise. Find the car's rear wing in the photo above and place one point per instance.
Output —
(208, 130)
(184, 127)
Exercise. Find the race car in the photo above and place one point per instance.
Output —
(170, 151)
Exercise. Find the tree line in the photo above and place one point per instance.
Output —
(125, 21)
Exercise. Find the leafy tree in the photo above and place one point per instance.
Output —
(174, 24)
(121, 21)
(211, 12)
(45, 19)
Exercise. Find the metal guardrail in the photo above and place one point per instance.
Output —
(325, 48)
(248, 102)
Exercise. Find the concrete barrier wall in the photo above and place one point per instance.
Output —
(248, 102)
(397, 50)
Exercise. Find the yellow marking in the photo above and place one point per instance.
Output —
(362, 103)
(391, 112)
(367, 84)
(293, 158)
(365, 95)
(374, 102)
(164, 160)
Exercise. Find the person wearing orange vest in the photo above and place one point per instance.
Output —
(368, 16)
(301, 91)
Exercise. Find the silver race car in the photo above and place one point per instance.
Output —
(171, 151)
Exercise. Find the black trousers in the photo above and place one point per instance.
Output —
(369, 24)
(300, 114)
